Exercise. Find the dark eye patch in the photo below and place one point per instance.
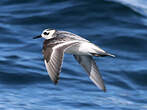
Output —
(46, 33)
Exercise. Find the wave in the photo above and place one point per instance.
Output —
(139, 6)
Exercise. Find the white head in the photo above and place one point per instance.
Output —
(47, 34)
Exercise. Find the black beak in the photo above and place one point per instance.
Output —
(37, 37)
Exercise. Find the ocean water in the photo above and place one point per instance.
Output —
(117, 26)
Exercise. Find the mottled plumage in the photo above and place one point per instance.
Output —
(59, 42)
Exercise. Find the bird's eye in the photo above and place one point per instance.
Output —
(45, 33)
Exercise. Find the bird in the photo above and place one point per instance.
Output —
(58, 42)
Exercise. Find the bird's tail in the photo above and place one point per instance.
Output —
(103, 54)
(108, 54)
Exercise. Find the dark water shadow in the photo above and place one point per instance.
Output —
(23, 79)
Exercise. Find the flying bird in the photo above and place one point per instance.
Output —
(58, 42)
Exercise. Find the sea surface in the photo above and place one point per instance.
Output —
(117, 26)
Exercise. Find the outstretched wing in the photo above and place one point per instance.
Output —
(53, 56)
(89, 65)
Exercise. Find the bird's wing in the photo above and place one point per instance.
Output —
(89, 65)
(53, 56)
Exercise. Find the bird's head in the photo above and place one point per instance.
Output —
(47, 34)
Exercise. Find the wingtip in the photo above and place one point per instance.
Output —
(105, 90)
(56, 82)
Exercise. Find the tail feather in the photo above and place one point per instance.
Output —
(108, 54)
(102, 54)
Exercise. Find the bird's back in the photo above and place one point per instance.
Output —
(69, 36)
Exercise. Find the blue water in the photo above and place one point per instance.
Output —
(117, 26)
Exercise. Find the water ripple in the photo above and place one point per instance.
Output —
(118, 27)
